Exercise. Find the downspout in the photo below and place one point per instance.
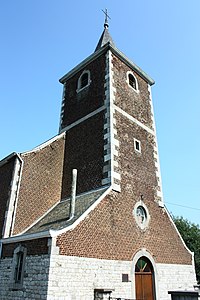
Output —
(73, 193)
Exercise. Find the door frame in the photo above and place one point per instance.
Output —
(138, 255)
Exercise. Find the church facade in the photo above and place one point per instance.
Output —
(82, 215)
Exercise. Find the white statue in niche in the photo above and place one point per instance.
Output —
(141, 215)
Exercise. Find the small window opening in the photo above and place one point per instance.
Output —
(132, 81)
(137, 145)
(19, 266)
(84, 80)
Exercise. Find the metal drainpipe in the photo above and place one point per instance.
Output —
(73, 193)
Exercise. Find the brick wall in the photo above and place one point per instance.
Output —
(111, 231)
(77, 105)
(41, 183)
(84, 152)
(6, 173)
(34, 247)
(135, 104)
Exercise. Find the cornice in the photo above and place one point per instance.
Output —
(116, 52)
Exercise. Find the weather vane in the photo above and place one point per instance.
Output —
(106, 17)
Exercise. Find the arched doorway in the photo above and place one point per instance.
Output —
(144, 279)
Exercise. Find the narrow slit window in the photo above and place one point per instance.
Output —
(19, 266)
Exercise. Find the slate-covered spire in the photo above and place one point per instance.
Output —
(105, 37)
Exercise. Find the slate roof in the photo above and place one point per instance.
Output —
(58, 217)
(104, 39)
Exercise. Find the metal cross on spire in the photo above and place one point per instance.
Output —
(106, 17)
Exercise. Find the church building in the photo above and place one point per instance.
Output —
(82, 216)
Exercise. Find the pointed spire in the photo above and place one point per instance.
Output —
(105, 37)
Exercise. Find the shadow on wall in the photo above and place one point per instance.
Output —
(24, 275)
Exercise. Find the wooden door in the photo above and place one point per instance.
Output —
(144, 280)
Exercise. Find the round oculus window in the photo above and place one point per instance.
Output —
(141, 215)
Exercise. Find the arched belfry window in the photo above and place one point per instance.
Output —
(144, 279)
(84, 80)
(132, 81)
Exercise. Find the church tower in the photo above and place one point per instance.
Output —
(108, 116)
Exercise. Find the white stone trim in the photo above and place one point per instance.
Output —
(93, 113)
(79, 88)
(43, 145)
(170, 218)
(106, 168)
(132, 119)
(116, 175)
(107, 157)
(12, 201)
(138, 255)
(26, 237)
(62, 106)
(106, 181)
(146, 224)
(135, 148)
(53, 249)
(112, 144)
(156, 156)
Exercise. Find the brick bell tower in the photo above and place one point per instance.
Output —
(108, 116)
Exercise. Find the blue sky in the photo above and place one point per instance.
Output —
(41, 40)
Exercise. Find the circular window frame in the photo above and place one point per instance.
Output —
(144, 224)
